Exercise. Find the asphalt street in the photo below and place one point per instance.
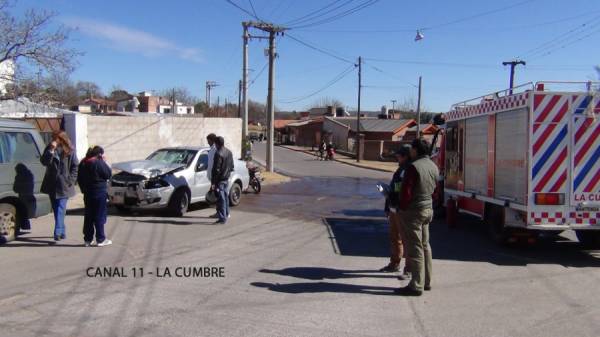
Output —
(299, 259)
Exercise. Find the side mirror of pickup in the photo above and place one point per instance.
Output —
(201, 167)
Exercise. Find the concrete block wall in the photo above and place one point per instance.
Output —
(135, 137)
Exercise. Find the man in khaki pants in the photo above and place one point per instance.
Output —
(397, 240)
(417, 212)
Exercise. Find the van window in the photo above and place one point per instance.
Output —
(16, 147)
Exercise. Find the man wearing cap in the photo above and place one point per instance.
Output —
(417, 212)
(397, 241)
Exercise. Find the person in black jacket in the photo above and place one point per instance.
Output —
(222, 167)
(60, 178)
(94, 173)
(391, 210)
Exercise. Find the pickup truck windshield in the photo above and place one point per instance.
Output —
(184, 157)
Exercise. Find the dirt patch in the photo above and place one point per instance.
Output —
(272, 178)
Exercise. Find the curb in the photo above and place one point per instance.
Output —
(339, 161)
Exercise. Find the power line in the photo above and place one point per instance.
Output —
(242, 9)
(338, 16)
(478, 15)
(447, 64)
(296, 20)
(540, 49)
(259, 73)
(551, 51)
(336, 79)
(253, 10)
(323, 51)
(388, 74)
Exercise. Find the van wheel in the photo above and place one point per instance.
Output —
(180, 201)
(589, 239)
(495, 223)
(235, 194)
(8, 222)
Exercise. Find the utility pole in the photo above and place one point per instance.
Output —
(394, 108)
(244, 84)
(270, 105)
(357, 145)
(513, 64)
(173, 103)
(419, 110)
(273, 31)
(240, 103)
(209, 86)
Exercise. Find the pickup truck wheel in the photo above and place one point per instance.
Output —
(589, 239)
(180, 201)
(235, 194)
(8, 222)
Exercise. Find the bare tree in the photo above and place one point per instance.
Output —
(182, 95)
(86, 89)
(326, 101)
(31, 46)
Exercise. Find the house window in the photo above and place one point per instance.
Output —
(189, 110)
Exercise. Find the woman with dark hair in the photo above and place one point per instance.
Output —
(94, 173)
(61, 175)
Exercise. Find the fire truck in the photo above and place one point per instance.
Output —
(525, 160)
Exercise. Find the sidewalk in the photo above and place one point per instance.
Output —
(366, 164)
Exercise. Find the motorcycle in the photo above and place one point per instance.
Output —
(255, 178)
(330, 153)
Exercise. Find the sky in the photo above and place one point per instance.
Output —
(154, 44)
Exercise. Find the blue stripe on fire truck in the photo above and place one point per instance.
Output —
(549, 151)
(586, 168)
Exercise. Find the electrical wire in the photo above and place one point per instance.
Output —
(304, 17)
(562, 38)
(253, 10)
(321, 50)
(336, 79)
(551, 51)
(242, 9)
(447, 64)
(258, 75)
(338, 16)
(390, 75)
(476, 16)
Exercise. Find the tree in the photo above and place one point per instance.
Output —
(326, 101)
(30, 45)
(118, 94)
(86, 89)
(182, 95)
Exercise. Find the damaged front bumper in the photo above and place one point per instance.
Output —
(136, 195)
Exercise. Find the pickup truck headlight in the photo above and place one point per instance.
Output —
(155, 183)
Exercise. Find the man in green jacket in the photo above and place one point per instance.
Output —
(416, 203)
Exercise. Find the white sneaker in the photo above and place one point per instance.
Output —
(88, 243)
(228, 216)
(106, 242)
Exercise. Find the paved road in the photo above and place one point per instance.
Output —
(299, 260)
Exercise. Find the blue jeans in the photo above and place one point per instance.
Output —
(59, 207)
(94, 218)
(222, 201)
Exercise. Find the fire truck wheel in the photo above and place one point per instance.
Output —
(589, 239)
(494, 218)
(451, 213)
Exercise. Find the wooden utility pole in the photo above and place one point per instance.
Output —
(244, 83)
(240, 105)
(357, 145)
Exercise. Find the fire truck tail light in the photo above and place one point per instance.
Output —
(549, 199)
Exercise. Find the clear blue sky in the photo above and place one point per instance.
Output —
(153, 44)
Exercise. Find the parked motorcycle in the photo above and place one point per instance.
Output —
(255, 178)
(330, 153)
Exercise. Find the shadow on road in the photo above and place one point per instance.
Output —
(324, 287)
(319, 273)
(174, 222)
(469, 242)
